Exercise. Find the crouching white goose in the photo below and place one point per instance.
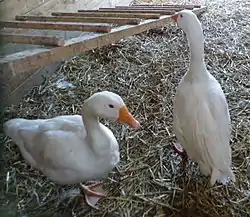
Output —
(201, 115)
(71, 149)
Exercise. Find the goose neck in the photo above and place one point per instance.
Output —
(91, 123)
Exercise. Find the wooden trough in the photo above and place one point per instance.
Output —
(100, 27)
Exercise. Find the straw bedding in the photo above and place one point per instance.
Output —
(144, 70)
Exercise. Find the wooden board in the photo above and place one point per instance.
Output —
(46, 40)
(117, 10)
(56, 26)
(165, 5)
(108, 14)
(70, 19)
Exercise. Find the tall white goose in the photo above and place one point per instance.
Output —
(201, 115)
(70, 149)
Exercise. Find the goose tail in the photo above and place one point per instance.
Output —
(12, 127)
(222, 177)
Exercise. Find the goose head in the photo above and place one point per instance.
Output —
(190, 24)
(109, 105)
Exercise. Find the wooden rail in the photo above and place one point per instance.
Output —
(117, 10)
(166, 5)
(57, 26)
(151, 8)
(119, 21)
(108, 14)
(32, 39)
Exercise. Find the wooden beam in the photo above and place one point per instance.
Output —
(120, 21)
(107, 14)
(14, 64)
(166, 5)
(152, 8)
(32, 39)
(115, 10)
(57, 26)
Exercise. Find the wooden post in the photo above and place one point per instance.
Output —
(120, 21)
(57, 26)
(32, 39)
(108, 14)
(116, 10)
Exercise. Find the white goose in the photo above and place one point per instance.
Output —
(71, 149)
(201, 115)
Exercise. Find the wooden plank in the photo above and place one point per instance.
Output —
(57, 26)
(120, 21)
(23, 61)
(27, 81)
(32, 39)
(166, 5)
(108, 14)
(129, 8)
(152, 8)
(115, 10)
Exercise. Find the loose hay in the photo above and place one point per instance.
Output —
(145, 71)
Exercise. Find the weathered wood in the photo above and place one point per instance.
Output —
(108, 14)
(115, 10)
(166, 5)
(120, 21)
(32, 39)
(11, 82)
(23, 61)
(151, 8)
(57, 26)
(20, 85)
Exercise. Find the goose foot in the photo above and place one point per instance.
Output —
(180, 150)
(93, 193)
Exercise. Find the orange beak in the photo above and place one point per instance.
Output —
(126, 117)
(175, 17)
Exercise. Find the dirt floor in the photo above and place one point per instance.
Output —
(145, 71)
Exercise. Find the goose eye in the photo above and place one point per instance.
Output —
(111, 106)
(181, 15)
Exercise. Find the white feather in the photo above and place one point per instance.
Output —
(70, 149)
(201, 115)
